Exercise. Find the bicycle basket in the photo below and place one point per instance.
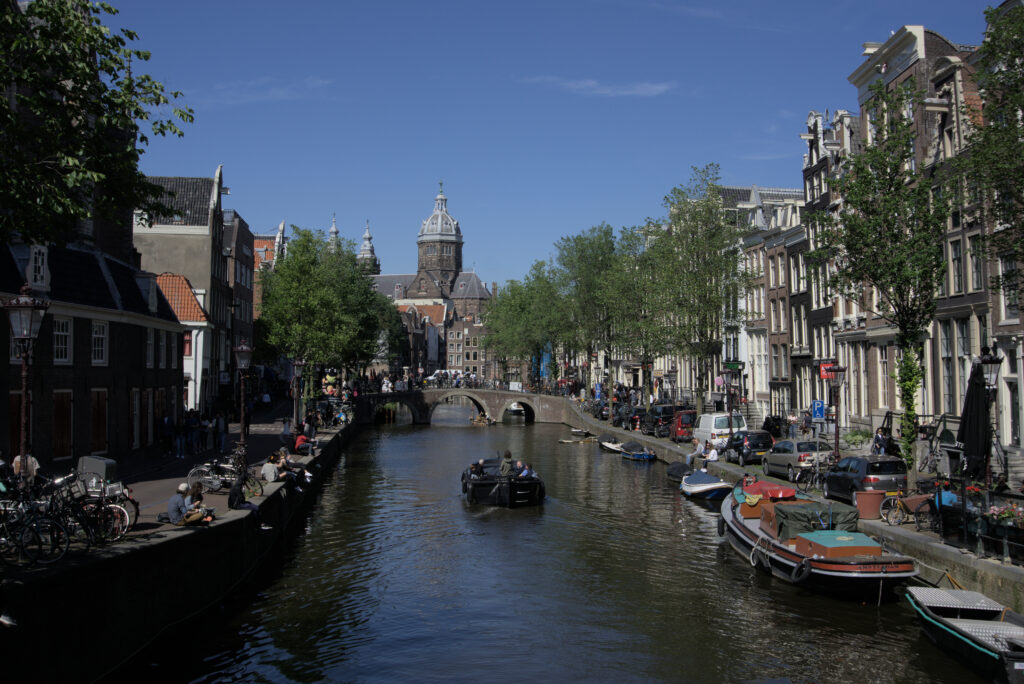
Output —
(77, 489)
(114, 489)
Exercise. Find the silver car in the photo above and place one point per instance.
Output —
(788, 457)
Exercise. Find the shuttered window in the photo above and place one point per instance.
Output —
(63, 424)
(98, 442)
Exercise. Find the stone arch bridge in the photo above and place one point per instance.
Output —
(540, 408)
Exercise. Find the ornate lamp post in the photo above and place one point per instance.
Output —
(26, 316)
(297, 365)
(243, 357)
(838, 376)
(991, 364)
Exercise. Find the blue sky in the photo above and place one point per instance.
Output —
(541, 118)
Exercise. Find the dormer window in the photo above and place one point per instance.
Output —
(38, 272)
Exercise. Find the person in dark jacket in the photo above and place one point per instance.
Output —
(508, 466)
(236, 501)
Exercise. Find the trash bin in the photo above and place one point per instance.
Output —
(106, 468)
(869, 503)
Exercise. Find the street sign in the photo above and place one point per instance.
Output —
(818, 409)
(825, 370)
(733, 365)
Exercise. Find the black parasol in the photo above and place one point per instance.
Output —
(973, 433)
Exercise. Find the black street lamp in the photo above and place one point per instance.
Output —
(991, 363)
(26, 316)
(243, 357)
(836, 378)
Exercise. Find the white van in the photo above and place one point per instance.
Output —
(714, 427)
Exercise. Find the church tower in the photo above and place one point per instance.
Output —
(439, 245)
(366, 258)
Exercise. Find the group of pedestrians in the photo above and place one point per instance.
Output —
(194, 434)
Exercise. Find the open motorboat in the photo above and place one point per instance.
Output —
(483, 483)
(983, 633)
(579, 432)
(516, 409)
(610, 443)
(808, 542)
(635, 451)
(701, 484)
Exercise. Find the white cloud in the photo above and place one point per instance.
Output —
(265, 89)
(589, 86)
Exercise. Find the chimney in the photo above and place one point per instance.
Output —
(494, 287)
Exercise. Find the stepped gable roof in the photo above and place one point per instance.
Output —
(469, 286)
(178, 291)
(262, 250)
(190, 198)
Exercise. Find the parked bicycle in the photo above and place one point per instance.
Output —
(807, 479)
(215, 475)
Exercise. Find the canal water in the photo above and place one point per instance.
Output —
(615, 578)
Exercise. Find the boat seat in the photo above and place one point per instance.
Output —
(996, 635)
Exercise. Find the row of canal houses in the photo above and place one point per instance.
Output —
(773, 365)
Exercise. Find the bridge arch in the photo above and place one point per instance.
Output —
(477, 401)
(529, 410)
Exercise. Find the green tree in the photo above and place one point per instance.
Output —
(583, 263)
(71, 120)
(888, 235)
(524, 319)
(700, 272)
(318, 305)
(639, 308)
(995, 157)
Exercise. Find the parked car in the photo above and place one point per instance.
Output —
(629, 417)
(865, 473)
(715, 427)
(748, 446)
(658, 421)
(600, 410)
(789, 456)
(682, 425)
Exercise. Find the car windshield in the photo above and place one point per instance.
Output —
(807, 446)
(686, 418)
(759, 441)
(722, 423)
(887, 468)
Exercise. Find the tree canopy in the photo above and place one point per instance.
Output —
(71, 118)
(995, 159)
(320, 306)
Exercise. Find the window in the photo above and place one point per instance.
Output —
(186, 346)
(99, 343)
(63, 424)
(1008, 276)
(98, 442)
(62, 341)
(945, 276)
(956, 263)
(963, 352)
(883, 376)
(782, 271)
(162, 355)
(149, 347)
(946, 354)
(775, 360)
(174, 350)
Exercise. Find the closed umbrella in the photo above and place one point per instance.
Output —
(973, 433)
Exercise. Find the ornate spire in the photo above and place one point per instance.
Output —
(367, 258)
(333, 240)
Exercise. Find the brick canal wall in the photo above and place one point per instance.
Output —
(80, 619)
(1004, 583)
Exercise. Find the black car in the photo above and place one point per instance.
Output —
(859, 473)
(600, 410)
(658, 421)
(628, 417)
(748, 446)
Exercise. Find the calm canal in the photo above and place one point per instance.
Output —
(615, 578)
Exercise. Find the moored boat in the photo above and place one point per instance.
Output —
(678, 470)
(808, 542)
(701, 484)
(635, 451)
(982, 633)
(483, 483)
(579, 432)
(610, 443)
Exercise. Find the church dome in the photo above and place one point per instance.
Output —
(440, 226)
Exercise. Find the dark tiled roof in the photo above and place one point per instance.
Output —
(132, 298)
(189, 197)
(469, 286)
(732, 195)
(386, 283)
(77, 278)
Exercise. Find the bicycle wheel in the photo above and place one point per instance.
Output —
(253, 487)
(925, 517)
(888, 506)
(54, 540)
(205, 476)
(114, 522)
(20, 545)
(132, 507)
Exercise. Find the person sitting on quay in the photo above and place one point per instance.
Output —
(947, 497)
(290, 472)
(697, 453)
(178, 512)
(269, 471)
(194, 502)
(527, 471)
(712, 454)
(236, 501)
(303, 445)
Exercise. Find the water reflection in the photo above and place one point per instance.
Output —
(615, 578)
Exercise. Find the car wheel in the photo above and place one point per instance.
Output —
(741, 460)
(764, 466)
(853, 497)
(790, 473)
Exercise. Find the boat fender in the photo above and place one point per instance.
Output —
(721, 526)
(801, 571)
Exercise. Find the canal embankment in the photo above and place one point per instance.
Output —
(80, 619)
(1003, 582)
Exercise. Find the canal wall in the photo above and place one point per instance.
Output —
(999, 581)
(83, 617)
